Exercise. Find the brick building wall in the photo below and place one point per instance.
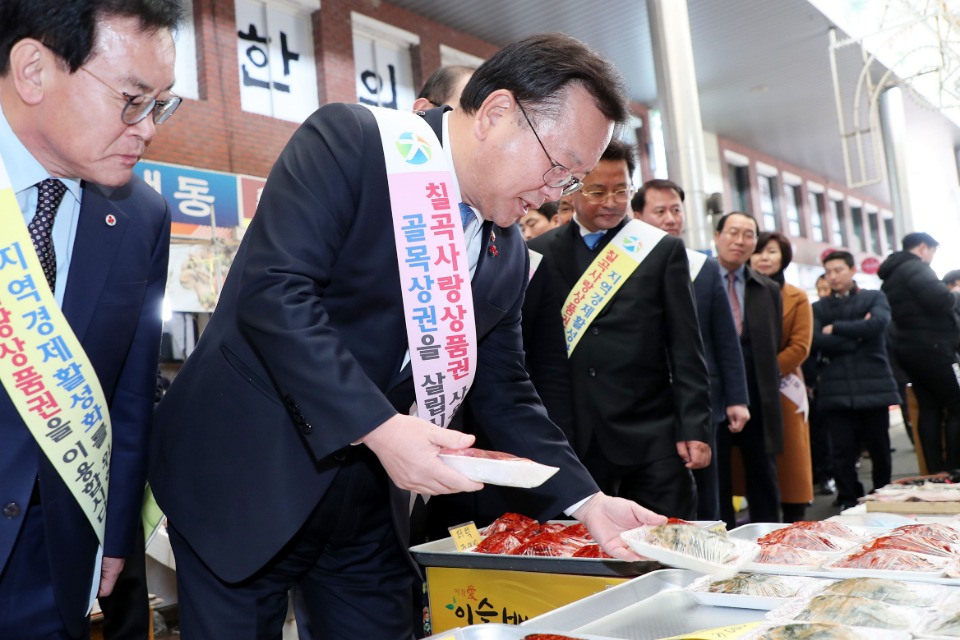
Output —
(215, 133)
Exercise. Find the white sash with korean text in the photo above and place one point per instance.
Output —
(604, 277)
(793, 389)
(696, 260)
(433, 261)
(45, 371)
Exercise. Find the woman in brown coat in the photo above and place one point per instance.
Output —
(771, 257)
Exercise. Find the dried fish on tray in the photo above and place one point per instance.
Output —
(784, 555)
(751, 590)
(848, 610)
(940, 626)
(834, 529)
(889, 591)
(890, 560)
(694, 548)
(916, 543)
(822, 631)
(806, 539)
(937, 530)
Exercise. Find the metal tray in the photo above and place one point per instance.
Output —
(443, 553)
(614, 599)
(667, 613)
(756, 530)
(501, 632)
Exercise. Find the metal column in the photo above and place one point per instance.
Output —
(679, 102)
(893, 124)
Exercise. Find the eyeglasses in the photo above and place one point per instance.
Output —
(558, 177)
(736, 234)
(620, 196)
(140, 106)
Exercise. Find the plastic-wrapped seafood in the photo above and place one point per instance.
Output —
(699, 543)
(947, 625)
(889, 591)
(854, 611)
(787, 555)
(822, 631)
(834, 529)
(757, 584)
(509, 522)
(804, 539)
(811, 631)
(916, 544)
(889, 560)
(937, 531)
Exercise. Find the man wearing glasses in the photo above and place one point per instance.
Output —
(281, 449)
(83, 87)
(640, 387)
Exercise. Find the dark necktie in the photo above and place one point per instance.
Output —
(734, 302)
(591, 239)
(49, 194)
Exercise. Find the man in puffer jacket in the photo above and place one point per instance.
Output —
(856, 384)
(927, 341)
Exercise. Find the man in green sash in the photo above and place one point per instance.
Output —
(641, 399)
(83, 262)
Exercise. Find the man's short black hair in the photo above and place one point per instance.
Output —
(839, 254)
(722, 222)
(639, 200)
(69, 27)
(540, 68)
(618, 151)
(917, 238)
(951, 277)
(438, 88)
(549, 209)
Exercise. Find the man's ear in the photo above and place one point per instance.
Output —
(422, 104)
(30, 64)
(492, 112)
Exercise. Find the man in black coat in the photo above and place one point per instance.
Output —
(282, 452)
(758, 315)
(660, 203)
(856, 383)
(926, 347)
(640, 386)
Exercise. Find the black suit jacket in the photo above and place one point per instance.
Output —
(113, 304)
(721, 345)
(639, 378)
(306, 341)
(763, 318)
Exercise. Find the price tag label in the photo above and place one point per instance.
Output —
(465, 536)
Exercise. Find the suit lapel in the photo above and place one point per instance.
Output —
(564, 244)
(94, 252)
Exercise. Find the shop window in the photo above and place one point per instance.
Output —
(739, 178)
(859, 235)
(890, 240)
(768, 202)
(381, 53)
(839, 236)
(791, 200)
(816, 203)
(873, 219)
(278, 74)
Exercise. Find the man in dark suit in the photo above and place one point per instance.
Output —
(758, 315)
(282, 447)
(110, 237)
(660, 203)
(641, 403)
